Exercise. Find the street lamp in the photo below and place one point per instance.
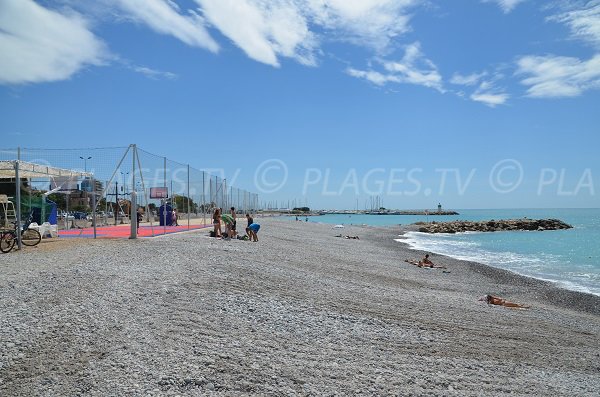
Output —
(85, 159)
(124, 187)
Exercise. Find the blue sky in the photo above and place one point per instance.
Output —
(471, 103)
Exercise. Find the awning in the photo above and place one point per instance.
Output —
(32, 170)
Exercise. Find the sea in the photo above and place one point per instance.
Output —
(570, 258)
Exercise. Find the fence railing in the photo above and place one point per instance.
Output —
(123, 180)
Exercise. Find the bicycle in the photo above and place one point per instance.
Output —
(29, 237)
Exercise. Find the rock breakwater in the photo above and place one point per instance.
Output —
(494, 226)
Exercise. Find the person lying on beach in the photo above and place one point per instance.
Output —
(425, 262)
(495, 300)
(348, 237)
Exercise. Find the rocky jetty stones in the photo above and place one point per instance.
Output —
(494, 226)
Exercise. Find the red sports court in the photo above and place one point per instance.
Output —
(123, 231)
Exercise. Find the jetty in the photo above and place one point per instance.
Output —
(524, 224)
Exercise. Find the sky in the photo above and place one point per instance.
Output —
(467, 103)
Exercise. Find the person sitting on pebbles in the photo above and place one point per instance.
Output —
(495, 300)
(425, 262)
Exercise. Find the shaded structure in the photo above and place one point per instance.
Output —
(17, 170)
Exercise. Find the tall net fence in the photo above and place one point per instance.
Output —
(113, 185)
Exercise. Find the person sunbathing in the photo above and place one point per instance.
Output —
(425, 262)
(495, 300)
(348, 237)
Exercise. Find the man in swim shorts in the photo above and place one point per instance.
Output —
(252, 231)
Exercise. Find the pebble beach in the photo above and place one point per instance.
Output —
(301, 312)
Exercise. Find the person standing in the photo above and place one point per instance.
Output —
(140, 217)
(217, 222)
(174, 218)
(234, 223)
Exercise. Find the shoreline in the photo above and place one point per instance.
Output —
(401, 230)
(301, 312)
(558, 283)
(549, 289)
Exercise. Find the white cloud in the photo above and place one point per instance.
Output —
(40, 45)
(486, 91)
(269, 29)
(492, 100)
(264, 30)
(506, 5)
(489, 94)
(163, 16)
(372, 76)
(584, 21)
(413, 68)
(154, 74)
(468, 80)
(556, 76)
(369, 23)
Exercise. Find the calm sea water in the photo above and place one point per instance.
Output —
(570, 258)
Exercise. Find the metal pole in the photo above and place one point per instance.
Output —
(210, 191)
(67, 196)
(133, 209)
(188, 195)
(94, 205)
(116, 201)
(164, 212)
(105, 195)
(225, 194)
(43, 215)
(203, 201)
(18, 198)
(137, 157)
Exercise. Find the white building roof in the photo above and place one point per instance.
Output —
(32, 170)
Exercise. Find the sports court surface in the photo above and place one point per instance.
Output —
(123, 231)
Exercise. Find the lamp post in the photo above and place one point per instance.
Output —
(85, 159)
(124, 187)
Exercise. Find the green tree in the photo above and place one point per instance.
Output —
(181, 203)
(59, 199)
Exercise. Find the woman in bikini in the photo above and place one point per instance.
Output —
(495, 300)
(217, 222)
